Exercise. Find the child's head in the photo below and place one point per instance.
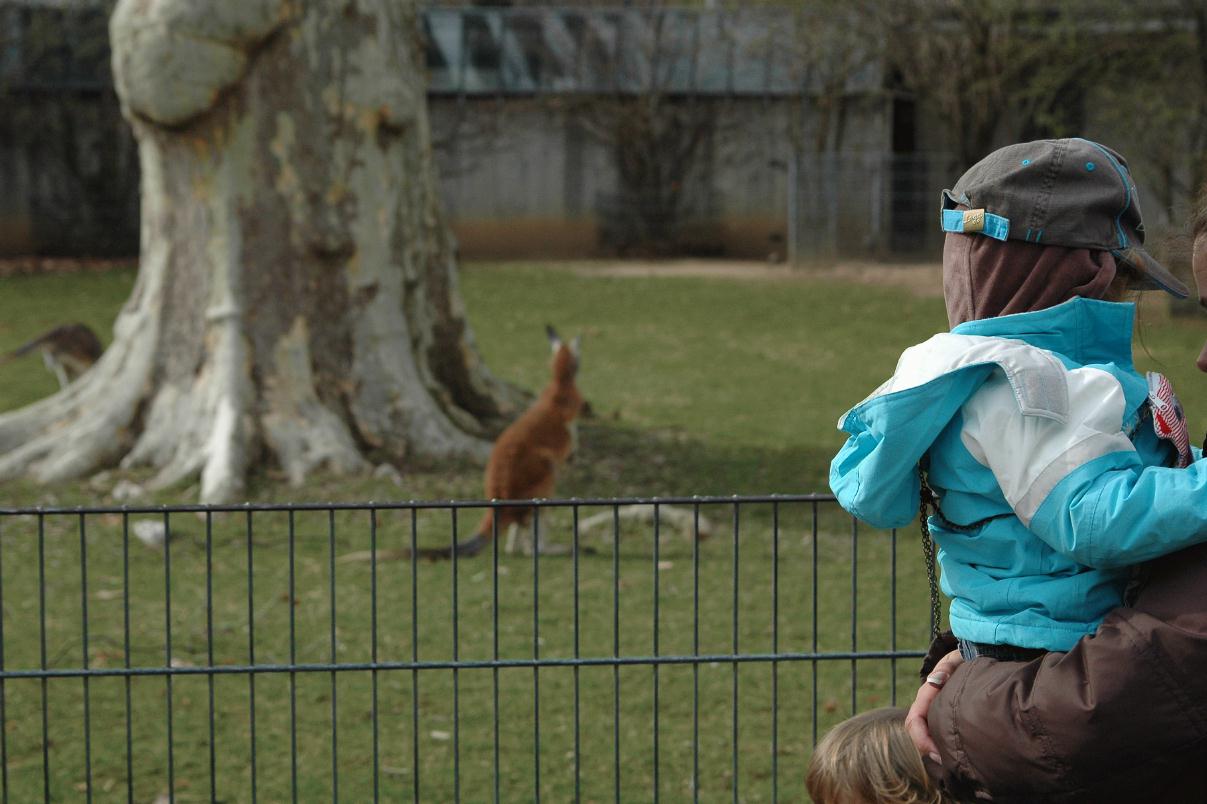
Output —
(1035, 224)
(870, 759)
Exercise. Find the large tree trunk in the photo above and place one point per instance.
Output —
(297, 297)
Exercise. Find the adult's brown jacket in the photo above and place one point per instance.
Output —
(1122, 717)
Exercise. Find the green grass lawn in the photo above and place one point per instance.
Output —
(700, 387)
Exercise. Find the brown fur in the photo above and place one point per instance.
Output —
(527, 455)
(68, 351)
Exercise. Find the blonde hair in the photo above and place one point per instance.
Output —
(870, 759)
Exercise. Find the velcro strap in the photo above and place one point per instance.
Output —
(969, 221)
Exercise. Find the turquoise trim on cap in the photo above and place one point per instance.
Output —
(1127, 190)
(996, 226)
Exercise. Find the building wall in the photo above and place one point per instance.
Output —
(524, 179)
(520, 179)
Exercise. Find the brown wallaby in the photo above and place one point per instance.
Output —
(68, 351)
(528, 454)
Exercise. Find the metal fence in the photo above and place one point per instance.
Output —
(681, 649)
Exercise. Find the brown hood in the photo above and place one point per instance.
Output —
(985, 278)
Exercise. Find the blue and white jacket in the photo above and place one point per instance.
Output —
(1039, 428)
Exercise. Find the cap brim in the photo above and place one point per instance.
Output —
(1151, 274)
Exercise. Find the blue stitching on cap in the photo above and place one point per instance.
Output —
(1127, 188)
(1038, 235)
(1026, 162)
(1090, 166)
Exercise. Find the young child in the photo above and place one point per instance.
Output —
(1121, 717)
(869, 759)
(1056, 465)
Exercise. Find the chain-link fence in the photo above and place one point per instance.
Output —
(873, 204)
(678, 649)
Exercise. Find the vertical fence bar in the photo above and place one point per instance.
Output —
(209, 646)
(616, 650)
(494, 611)
(536, 652)
(42, 654)
(293, 660)
(414, 653)
(854, 610)
(456, 672)
(84, 646)
(334, 656)
(875, 196)
(167, 629)
(657, 544)
(577, 691)
(775, 650)
(814, 620)
(251, 653)
(736, 559)
(126, 655)
(892, 574)
(3, 691)
(793, 203)
(373, 648)
(696, 651)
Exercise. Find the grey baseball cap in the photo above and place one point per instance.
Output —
(1071, 192)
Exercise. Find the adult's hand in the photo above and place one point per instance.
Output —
(915, 720)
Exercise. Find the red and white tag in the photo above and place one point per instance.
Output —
(1169, 420)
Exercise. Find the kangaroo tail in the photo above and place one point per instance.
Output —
(27, 347)
(463, 549)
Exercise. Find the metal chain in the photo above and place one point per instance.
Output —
(929, 504)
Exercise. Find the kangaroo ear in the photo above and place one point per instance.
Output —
(554, 341)
(575, 344)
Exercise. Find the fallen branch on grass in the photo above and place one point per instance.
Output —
(687, 521)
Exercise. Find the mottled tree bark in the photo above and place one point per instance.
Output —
(297, 296)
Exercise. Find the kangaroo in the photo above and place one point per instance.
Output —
(68, 351)
(528, 454)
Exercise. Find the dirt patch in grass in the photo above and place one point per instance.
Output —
(37, 266)
(923, 278)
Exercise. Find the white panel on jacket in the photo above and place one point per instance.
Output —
(1036, 375)
(1029, 454)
